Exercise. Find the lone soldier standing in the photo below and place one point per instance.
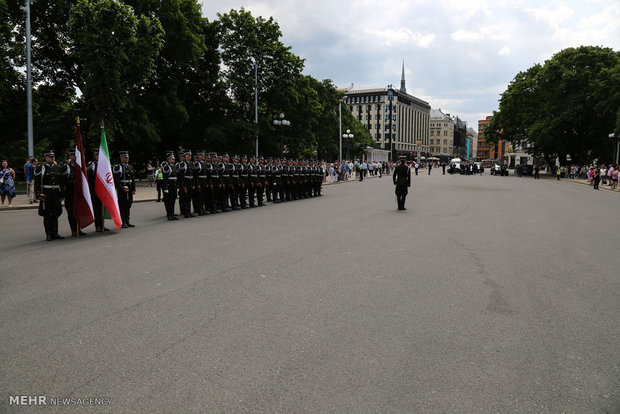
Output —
(69, 187)
(402, 181)
(125, 182)
(49, 187)
(169, 185)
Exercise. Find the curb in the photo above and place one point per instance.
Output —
(601, 187)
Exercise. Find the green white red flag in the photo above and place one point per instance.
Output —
(82, 205)
(104, 183)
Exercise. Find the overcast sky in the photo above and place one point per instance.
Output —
(459, 55)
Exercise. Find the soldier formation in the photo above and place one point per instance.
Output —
(204, 183)
(211, 183)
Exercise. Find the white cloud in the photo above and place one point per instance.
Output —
(464, 35)
(504, 51)
(553, 16)
(402, 35)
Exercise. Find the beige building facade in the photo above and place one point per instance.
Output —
(441, 139)
(386, 112)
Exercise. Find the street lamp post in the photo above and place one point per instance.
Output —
(612, 135)
(29, 79)
(281, 122)
(348, 136)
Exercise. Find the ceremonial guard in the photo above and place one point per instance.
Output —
(402, 181)
(200, 178)
(285, 188)
(69, 188)
(209, 201)
(125, 183)
(97, 205)
(226, 173)
(268, 178)
(49, 187)
(185, 181)
(169, 185)
(244, 180)
(235, 177)
(276, 180)
(252, 181)
(218, 192)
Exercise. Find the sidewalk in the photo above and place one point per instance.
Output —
(143, 193)
(585, 182)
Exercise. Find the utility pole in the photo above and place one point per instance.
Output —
(29, 81)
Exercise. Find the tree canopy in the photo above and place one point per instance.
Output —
(161, 76)
(566, 107)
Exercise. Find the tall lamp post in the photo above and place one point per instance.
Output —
(29, 79)
(348, 136)
(281, 122)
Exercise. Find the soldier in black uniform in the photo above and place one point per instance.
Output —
(276, 181)
(285, 188)
(234, 169)
(269, 178)
(125, 183)
(185, 181)
(69, 188)
(97, 205)
(49, 187)
(216, 181)
(252, 180)
(226, 170)
(169, 185)
(244, 179)
(209, 191)
(402, 181)
(199, 198)
(261, 172)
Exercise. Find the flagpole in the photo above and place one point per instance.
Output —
(78, 224)
(102, 208)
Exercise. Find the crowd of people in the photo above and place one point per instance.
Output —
(358, 170)
(595, 174)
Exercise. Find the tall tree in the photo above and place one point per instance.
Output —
(568, 106)
(116, 51)
(244, 42)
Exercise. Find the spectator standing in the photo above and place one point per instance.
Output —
(597, 178)
(150, 173)
(7, 183)
(416, 166)
(614, 178)
(159, 181)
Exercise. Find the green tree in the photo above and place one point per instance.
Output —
(568, 106)
(115, 51)
(245, 41)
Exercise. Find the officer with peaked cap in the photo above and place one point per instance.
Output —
(49, 186)
(69, 177)
(170, 185)
(125, 183)
(402, 181)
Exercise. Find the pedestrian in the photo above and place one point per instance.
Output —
(430, 167)
(402, 181)
(150, 173)
(7, 183)
(159, 181)
(614, 178)
(416, 167)
(597, 178)
(558, 173)
(536, 172)
(443, 167)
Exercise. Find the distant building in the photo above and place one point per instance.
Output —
(488, 150)
(441, 140)
(392, 113)
(472, 135)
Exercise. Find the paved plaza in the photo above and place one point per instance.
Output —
(489, 294)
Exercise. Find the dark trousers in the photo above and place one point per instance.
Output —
(400, 199)
(170, 198)
(597, 180)
(69, 210)
(125, 200)
(97, 210)
(160, 189)
(51, 225)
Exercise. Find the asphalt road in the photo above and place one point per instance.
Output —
(489, 294)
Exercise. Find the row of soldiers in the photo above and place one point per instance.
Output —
(212, 183)
(56, 182)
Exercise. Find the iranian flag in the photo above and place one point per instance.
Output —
(104, 183)
(82, 205)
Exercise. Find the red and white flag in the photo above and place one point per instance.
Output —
(82, 205)
(104, 183)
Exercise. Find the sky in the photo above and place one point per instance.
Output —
(459, 55)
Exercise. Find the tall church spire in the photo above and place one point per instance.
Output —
(402, 80)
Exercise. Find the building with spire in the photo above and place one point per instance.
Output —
(399, 122)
